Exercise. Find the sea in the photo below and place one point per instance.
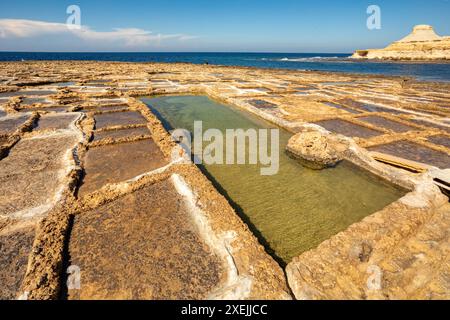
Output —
(439, 71)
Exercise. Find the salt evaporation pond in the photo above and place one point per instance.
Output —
(294, 210)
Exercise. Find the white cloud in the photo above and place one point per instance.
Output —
(29, 28)
(120, 37)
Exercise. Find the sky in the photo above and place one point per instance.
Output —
(317, 26)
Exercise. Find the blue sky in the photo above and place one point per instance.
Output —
(214, 25)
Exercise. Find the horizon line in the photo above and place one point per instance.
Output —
(134, 52)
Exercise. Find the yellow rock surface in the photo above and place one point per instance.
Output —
(422, 44)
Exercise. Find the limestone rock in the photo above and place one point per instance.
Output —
(422, 33)
(315, 150)
(398, 253)
(422, 44)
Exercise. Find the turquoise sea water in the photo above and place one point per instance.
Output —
(296, 61)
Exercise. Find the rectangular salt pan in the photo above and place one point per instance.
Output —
(415, 152)
(348, 129)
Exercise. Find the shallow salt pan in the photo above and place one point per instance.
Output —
(348, 129)
(33, 173)
(415, 152)
(387, 124)
(14, 250)
(105, 120)
(10, 124)
(440, 140)
(293, 210)
(118, 163)
(170, 259)
(120, 134)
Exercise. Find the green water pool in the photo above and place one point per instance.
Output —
(297, 208)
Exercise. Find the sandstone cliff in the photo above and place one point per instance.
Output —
(422, 44)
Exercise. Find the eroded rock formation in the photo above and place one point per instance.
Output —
(316, 150)
(422, 44)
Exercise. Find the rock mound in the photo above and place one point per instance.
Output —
(315, 150)
(422, 44)
(421, 33)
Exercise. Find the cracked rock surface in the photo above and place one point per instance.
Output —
(89, 181)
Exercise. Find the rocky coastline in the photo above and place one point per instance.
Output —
(423, 44)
